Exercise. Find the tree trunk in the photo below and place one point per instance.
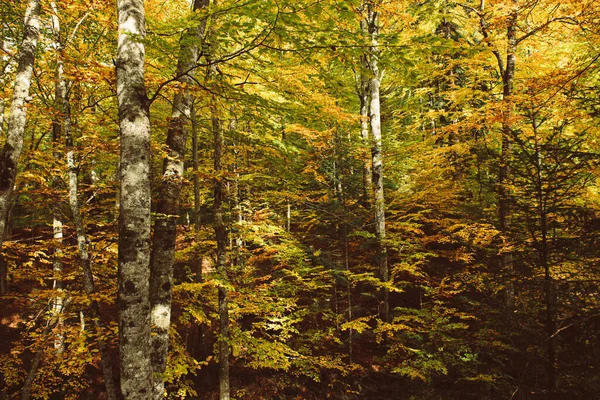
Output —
(196, 168)
(376, 153)
(238, 243)
(134, 204)
(4, 60)
(363, 94)
(221, 237)
(504, 207)
(11, 152)
(33, 368)
(544, 255)
(167, 210)
(57, 223)
(64, 107)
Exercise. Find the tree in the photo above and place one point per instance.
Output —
(371, 23)
(15, 131)
(167, 209)
(134, 204)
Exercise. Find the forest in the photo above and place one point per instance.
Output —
(300, 199)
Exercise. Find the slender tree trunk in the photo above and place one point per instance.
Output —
(236, 197)
(343, 243)
(198, 347)
(363, 94)
(84, 260)
(57, 223)
(57, 269)
(544, 255)
(11, 151)
(504, 206)
(134, 212)
(221, 237)
(167, 210)
(220, 230)
(51, 323)
(3, 276)
(196, 168)
(33, 368)
(64, 107)
(4, 62)
(376, 153)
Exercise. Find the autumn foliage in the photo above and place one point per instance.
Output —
(489, 142)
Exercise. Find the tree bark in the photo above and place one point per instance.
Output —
(167, 210)
(11, 151)
(134, 204)
(363, 94)
(376, 152)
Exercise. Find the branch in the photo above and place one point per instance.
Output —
(572, 78)
(254, 43)
(566, 20)
(76, 28)
(559, 330)
(485, 34)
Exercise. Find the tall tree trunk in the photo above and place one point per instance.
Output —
(11, 151)
(4, 62)
(376, 152)
(544, 255)
(64, 107)
(219, 226)
(363, 94)
(84, 258)
(196, 169)
(221, 237)
(343, 239)
(57, 223)
(238, 243)
(167, 210)
(134, 204)
(504, 206)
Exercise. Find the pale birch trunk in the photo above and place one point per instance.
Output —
(134, 204)
(376, 152)
(57, 223)
(167, 210)
(11, 151)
